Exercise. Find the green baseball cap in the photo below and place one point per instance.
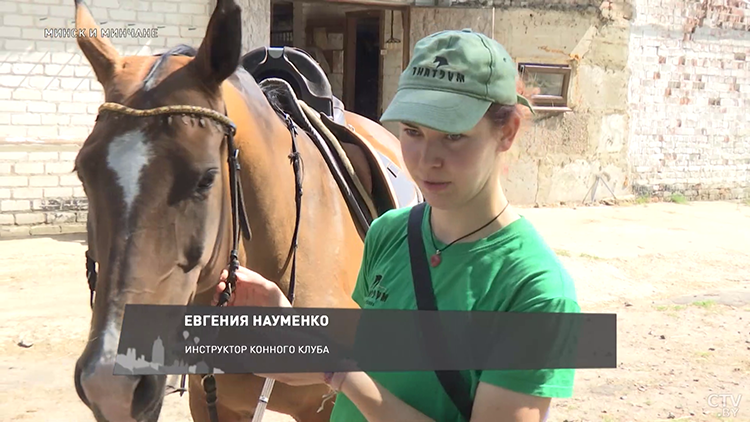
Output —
(451, 81)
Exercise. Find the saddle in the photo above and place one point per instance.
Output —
(370, 182)
(301, 72)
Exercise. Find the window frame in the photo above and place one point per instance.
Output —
(549, 102)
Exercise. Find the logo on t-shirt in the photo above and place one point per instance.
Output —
(378, 292)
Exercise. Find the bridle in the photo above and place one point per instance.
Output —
(239, 222)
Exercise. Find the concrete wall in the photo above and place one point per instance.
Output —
(49, 96)
(558, 156)
(690, 94)
(392, 64)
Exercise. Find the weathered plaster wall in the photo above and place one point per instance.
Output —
(690, 94)
(256, 22)
(558, 156)
(392, 64)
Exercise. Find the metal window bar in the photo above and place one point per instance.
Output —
(281, 38)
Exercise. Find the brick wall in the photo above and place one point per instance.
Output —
(38, 192)
(47, 88)
(49, 97)
(689, 96)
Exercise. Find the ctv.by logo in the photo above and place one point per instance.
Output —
(727, 403)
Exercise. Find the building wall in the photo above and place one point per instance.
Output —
(558, 156)
(327, 44)
(49, 96)
(658, 95)
(392, 64)
(690, 94)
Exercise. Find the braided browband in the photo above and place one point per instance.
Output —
(174, 109)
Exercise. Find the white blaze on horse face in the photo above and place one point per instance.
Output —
(128, 155)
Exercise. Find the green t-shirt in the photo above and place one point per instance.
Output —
(512, 270)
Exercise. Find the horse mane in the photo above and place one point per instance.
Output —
(178, 50)
(275, 94)
(241, 79)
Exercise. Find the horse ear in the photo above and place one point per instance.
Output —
(219, 53)
(100, 53)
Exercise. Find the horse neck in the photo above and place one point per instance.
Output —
(267, 176)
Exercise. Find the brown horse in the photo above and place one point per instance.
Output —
(160, 210)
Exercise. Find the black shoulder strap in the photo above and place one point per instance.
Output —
(452, 381)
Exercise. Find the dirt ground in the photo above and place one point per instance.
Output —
(677, 275)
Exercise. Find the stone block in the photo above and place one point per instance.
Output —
(58, 96)
(8, 6)
(338, 62)
(69, 180)
(30, 219)
(61, 217)
(14, 231)
(10, 32)
(7, 205)
(58, 192)
(13, 156)
(27, 94)
(46, 229)
(7, 220)
(27, 193)
(12, 106)
(192, 9)
(18, 20)
(43, 156)
(68, 156)
(59, 168)
(73, 228)
(44, 181)
(336, 41)
(29, 168)
(13, 181)
(320, 38)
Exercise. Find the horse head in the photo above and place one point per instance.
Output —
(158, 186)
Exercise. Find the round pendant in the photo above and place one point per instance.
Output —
(435, 260)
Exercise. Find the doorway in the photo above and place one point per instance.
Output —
(362, 74)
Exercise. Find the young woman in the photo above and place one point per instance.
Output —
(458, 109)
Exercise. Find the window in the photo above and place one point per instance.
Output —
(551, 82)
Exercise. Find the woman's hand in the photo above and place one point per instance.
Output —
(251, 289)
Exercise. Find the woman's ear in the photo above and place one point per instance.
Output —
(507, 134)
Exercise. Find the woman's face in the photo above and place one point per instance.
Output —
(451, 169)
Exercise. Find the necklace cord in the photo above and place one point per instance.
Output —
(432, 234)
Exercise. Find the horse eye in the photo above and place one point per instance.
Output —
(206, 181)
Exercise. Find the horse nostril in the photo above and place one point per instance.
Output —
(146, 394)
(77, 381)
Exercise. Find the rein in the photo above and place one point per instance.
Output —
(239, 224)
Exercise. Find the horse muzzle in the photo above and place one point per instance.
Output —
(118, 398)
